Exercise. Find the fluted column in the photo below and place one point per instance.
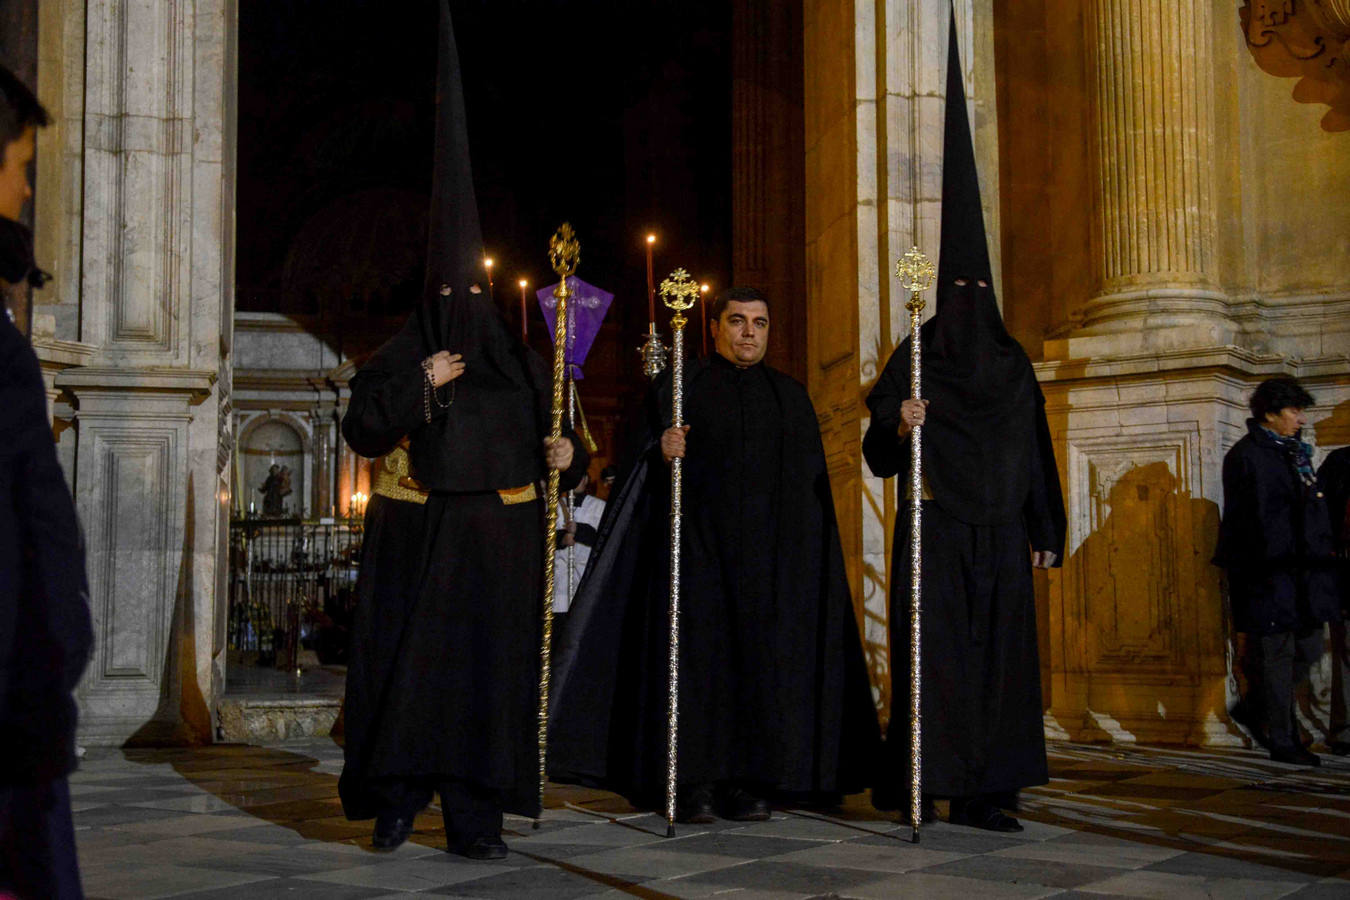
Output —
(1152, 74)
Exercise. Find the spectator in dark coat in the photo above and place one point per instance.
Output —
(45, 632)
(1334, 480)
(1275, 541)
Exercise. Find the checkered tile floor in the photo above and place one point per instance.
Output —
(255, 823)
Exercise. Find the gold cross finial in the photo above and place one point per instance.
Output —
(564, 251)
(916, 273)
(679, 291)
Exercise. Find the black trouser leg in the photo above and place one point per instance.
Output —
(470, 811)
(1286, 659)
(402, 797)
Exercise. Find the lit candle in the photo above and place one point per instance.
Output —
(487, 264)
(703, 314)
(524, 320)
(651, 282)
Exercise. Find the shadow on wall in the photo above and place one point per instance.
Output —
(183, 717)
(1144, 624)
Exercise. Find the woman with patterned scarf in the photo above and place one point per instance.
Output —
(1275, 542)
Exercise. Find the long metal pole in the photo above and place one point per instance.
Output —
(572, 426)
(916, 274)
(915, 584)
(679, 293)
(563, 251)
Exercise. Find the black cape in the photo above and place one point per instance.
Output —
(773, 685)
(45, 630)
(444, 663)
(990, 467)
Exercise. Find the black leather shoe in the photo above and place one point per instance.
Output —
(487, 846)
(391, 831)
(694, 805)
(980, 814)
(1298, 756)
(739, 805)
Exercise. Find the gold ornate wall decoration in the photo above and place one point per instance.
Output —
(1308, 40)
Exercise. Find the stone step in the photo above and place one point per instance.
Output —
(262, 720)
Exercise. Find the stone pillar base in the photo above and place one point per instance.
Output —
(1138, 624)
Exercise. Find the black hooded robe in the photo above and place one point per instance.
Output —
(443, 681)
(773, 686)
(989, 466)
(983, 726)
(444, 674)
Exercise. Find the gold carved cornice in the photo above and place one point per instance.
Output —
(1308, 40)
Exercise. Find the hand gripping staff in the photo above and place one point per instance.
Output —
(564, 252)
(680, 293)
(915, 272)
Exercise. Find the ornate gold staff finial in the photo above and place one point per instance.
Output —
(679, 292)
(916, 274)
(564, 252)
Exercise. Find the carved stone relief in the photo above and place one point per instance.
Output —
(1308, 40)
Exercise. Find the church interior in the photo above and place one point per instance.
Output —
(232, 199)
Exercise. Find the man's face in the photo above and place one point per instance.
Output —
(1287, 421)
(741, 334)
(14, 187)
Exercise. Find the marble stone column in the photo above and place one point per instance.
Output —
(1153, 80)
(1146, 391)
(153, 157)
(767, 172)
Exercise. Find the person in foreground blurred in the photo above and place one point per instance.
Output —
(45, 630)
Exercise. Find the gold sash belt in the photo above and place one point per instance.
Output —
(393, 479)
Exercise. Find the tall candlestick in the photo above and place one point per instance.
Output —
(651, 282)
(487, 264)
(524, 319)
(703, 314)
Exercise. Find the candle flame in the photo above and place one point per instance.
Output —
(651, 239)
(487, 261)
(523, 282)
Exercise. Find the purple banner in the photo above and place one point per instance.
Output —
(586, 308)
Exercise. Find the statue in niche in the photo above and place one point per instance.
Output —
(275, 490)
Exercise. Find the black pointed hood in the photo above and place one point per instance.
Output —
(967, 326)
(965, 252)
(485, 440)
(454, 234)
(979, 435)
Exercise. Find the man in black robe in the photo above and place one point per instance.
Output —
(992, 508)
(443, 689)
(774, 697)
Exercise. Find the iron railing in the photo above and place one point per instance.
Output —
(292, 584)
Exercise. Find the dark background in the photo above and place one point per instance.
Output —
(613, 116)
